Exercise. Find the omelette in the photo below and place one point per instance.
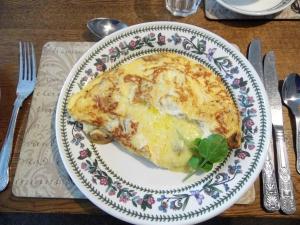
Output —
(155, 105)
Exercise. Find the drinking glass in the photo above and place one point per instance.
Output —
(182, 7)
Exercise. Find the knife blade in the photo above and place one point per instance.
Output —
(271, 200)
(286, 190)
(255, 57)
(271, 85)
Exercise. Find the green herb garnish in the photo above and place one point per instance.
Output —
(206, 152)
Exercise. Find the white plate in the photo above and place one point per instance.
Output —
(129, 187)
(256, 7)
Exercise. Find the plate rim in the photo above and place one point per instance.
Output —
(112, 211)
(265, 12)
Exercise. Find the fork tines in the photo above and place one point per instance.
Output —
(27, 61)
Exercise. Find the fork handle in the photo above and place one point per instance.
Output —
(6, 150)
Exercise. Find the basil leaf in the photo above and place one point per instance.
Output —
(195, 145)
(214, 148)
(194, 162)
(206, 167)
(206, 152)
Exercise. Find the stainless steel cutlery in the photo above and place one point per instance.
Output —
(270, 191)
(26, 84)
(291, 98)
(286, 192)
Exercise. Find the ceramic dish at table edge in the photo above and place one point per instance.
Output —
(271, 10)
(131, 188)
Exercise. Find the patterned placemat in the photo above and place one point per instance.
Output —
(40, 172)
(215, 11)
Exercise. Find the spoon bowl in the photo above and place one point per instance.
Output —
(101, 27)
(291, 98)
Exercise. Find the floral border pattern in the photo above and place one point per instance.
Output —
(196, 46)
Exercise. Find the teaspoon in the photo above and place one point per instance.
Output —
(291, 98)
(101, 27)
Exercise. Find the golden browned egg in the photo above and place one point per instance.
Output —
(154, 105)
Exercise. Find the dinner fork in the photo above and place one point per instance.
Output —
(26, 84)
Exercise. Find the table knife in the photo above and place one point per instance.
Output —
(270, 189)
(286, 191)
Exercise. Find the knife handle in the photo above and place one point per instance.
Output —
(270, 190)
(286, 190)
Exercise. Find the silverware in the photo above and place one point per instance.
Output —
(291, 97)
(270, 191)
(26, 84)
(287, 198)
(101, 27)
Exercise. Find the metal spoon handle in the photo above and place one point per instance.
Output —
(297, 143)
(270, 190)
(287, 199)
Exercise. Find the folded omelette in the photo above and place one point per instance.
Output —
(156, 104)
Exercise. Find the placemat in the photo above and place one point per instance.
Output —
(215, 11)
(40, 171)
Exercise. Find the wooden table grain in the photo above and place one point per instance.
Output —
(43, 21)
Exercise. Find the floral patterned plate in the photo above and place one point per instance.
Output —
(131, 188)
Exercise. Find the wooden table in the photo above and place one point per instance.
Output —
(43, 21)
